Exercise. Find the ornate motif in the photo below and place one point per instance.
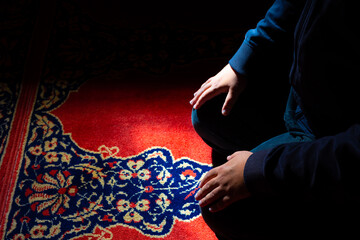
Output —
(64, 191)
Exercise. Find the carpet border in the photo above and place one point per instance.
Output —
(28, 91)
(15, 149)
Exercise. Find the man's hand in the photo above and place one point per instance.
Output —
(226, 81)
(224, 185)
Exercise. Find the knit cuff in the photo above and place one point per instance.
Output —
(241, 60)
(254, 174)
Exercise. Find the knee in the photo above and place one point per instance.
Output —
(206, 119)
(215, 129)
(209, 126)
(196, 122)
(202, 125)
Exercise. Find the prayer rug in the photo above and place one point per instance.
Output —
(81, 173)
(96, 140)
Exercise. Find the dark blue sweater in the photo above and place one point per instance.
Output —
(324, 74)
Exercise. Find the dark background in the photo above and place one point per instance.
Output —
(119, 29)
(72, 41)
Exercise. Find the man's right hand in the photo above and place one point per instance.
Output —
(226, 81)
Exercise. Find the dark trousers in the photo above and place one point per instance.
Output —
(249, 127)
(252, 126)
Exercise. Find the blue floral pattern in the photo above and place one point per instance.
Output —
(64, 191)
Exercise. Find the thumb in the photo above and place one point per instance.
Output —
(230, 100)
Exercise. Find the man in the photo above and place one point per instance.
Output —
(308, 176)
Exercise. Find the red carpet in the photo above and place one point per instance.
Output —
(135, 111)
(96, 140)
(118, 158)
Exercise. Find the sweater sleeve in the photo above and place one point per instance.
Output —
(274, 31)
(324, 167)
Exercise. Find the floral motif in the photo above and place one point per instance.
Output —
(163, 201)
(45, 124)
(50, 145)
(51, 193)
(36, 150)
(132, 209)
(63, 191)
(38, 231)
(80, 190)
(51, 157)
(19, 237)
(142, 174)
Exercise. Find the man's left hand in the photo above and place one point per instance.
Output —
(225, 184)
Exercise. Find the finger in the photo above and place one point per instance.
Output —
(207, 95)
(220, 204)
(208, 81)
(198, 93)
(206, 185)
(208, 176)
(205, 191)
(212, 197)
(203, 87)
(229, 102)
